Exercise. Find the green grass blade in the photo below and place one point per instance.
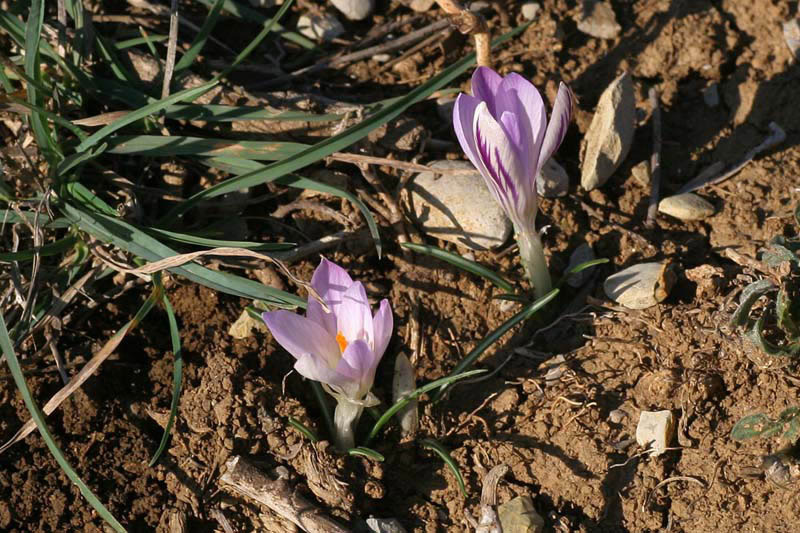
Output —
(33, 31)
(38, 417)
(161, 146)
(136, 41)
(526, 312)
(366, 452)
(123, 235)
(462, 263)
(244, 54)
(248, 14)
(107, 51)
(206, 242)
(202, 37)
(324, 406)
(337, 142)
(399, 404)
(442, 452)
(61, 121)
(54, 248)
(302, 428)
(227, 113)
(133, 116)
(9, 216)
(240, 166)
(177, 376)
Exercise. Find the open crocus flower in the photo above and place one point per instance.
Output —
(503, 129)
(342, 348)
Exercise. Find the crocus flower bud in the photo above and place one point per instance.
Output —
(342, 348)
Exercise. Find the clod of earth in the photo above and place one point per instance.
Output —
(687, 206)
(655, 430)
(640, 286)
(610, 134)
(458, 208)
(598, 20)
(552, 181)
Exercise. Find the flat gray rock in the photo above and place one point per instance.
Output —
(640, 286)
(324, 27)
(354, 9)
(520, 516)
(552, 181)
(458, 208)
(598, 20)
(687, 206)
(610, 134)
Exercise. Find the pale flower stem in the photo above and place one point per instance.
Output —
(345, 418)
(531, 254)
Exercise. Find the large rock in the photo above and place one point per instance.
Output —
(610, 134)
(354, 9)
(458, 207)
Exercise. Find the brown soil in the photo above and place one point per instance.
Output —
(555, 435)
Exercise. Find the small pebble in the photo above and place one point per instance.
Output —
(520, 516)
(556, 368)
(687, 206)
(266, 3)
(421, 5)
(640, 286)
(616, 416)
(480, 5)
(655, 430)
(641, 173)
(610, 134)
(581, 254)
(530, 10)
(711, 95)
(354, 9)
(324, 27)
(552, 181)
(458, 208)
(791, 34)
(381, 58)
(385, 525)
(598, 20)
(623, 444)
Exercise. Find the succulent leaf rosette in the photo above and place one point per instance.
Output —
(502, 128)
(341, 347)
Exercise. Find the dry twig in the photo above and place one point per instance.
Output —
(469, 22)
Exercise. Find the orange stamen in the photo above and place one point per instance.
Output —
(342, 342)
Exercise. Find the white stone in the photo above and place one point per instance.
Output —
(791, 34)
(354, 9)
(581, 254)
(458, 207)
(519, 516)
(616, 416)
(385, 525)
(381, 58)
(640, 286)
(598, 20)
(552, 181)
(421, 5)
(530, 10)
(655, 430)
(687, 206)
(556, 368)
(641, 173)
(324, 27)
(610, 134)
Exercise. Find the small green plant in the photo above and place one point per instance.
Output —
(776, 330)
(787, 425)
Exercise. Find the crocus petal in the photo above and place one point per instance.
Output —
(382, 325)
(485, 83)
(311, 367)
(501, 164)
(302, 337)
(559, 122)
(463, 118)
(354, 316)
(358, 364)
(330, 281)
(518, 95)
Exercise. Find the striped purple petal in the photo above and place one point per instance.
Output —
(463, 120)
(559, 122)
(485, 83)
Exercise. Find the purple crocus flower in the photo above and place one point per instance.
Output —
(342, 348)
(502, 127)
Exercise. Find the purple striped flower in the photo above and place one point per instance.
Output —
(342, 348)
(503, 129)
